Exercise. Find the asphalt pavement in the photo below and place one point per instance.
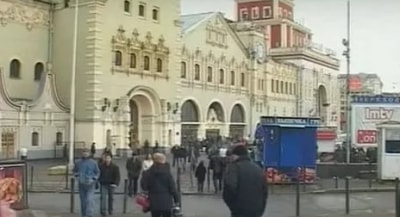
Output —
(40, 181)
(311, 205)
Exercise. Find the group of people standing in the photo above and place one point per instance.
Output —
(242, 182)
(156, 180)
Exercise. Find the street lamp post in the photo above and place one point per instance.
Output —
(346, 53)
(72, 99)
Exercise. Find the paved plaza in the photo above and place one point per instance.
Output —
(40, 181)
(333, 205)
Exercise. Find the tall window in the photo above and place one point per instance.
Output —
(272, 85)
(276, 86)
(159, 65)
(127, 6)
(244, 14)
(290, 88)
(221, 76)
(146, 62)
(118, 58)
(286, 88)
(183, 69)
(155, 14)
(132, 64)
(242, 79)
(266, 12)
(59, 138)
(15, 68)
(197, 72)
(35, 139)
(233, 75)
(142, 9)
(255, 12)
(281, 86)
(39, 69)
(209, 74)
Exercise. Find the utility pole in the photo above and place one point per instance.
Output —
(72, 99)
(346, 53)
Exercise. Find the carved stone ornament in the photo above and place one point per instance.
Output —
(120, 37)
(147, 45)
(30, 17)
(210, 56)
(161, 48)
(134, 41)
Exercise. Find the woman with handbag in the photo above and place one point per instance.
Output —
(160, 187)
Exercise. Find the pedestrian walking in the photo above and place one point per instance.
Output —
(109, 180)
(245, 188)
(200, 175)
(161, 188)
(216, 165)
(93, 149)
(134, 168)
(87, 173)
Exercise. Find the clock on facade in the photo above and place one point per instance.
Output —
(260, 52)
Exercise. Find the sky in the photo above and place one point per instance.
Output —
(375, 31)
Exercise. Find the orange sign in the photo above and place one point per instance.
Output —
(355, 83)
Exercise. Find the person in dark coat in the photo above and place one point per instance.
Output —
(109, 180)
(245, 187)
(161, 188)
(134, 168)
(200, 175)
(216, 165)
(93, 149)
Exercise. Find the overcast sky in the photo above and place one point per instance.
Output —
(375, 31)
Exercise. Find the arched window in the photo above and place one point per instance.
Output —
(197, 72)
(221, 76)
(59, 138)
(209, 74)
(233, 76)
(141, 10)
(272, 85)
(15, 69)
(183, 69)
(35, 139)
(132, 64)
(155, 14)
(127, 6)
(159, 65)
(118, 58)
(146, 63)
(39, 69)
(242, 79)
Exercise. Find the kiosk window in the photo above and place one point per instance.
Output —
(392, 146)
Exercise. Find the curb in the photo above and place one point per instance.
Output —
(353, 190)
(117, 193)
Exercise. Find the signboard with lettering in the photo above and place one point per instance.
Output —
(365, 117)
(375, 99)
(271, 120)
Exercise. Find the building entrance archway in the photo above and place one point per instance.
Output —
(237, 122)
(142, 119)
(190, 119)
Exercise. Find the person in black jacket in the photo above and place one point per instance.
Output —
(245, 189)
(133, 167)
(109, 180)
(200, 174)
(161, 188)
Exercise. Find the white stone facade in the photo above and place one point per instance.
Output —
(143, 73)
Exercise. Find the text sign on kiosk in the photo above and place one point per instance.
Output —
(290, 121)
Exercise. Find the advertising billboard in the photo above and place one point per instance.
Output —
(13, 184)
(367, 112)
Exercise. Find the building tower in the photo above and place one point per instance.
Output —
(291, 42)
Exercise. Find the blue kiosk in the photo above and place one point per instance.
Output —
(289, 148)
